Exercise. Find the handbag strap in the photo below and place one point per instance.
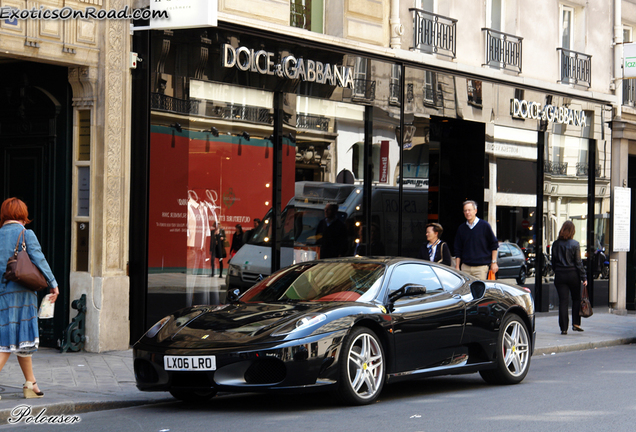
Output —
(441, 252)
(17, 243)
(584, 292)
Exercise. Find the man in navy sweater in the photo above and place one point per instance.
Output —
(475, 245)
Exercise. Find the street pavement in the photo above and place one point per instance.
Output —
(80, 382)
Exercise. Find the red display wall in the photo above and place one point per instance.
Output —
(225, 178)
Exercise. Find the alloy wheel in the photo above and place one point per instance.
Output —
(365, 366)
(516, 348)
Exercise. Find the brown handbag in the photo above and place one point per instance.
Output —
(20, 269)
(586, 306)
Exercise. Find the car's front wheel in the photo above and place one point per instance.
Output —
(193, 396)
(521, 279)
(362, 369)
(513, 356)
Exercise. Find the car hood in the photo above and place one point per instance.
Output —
(234, 324)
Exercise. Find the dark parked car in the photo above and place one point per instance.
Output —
(347, 325)
(512, 262)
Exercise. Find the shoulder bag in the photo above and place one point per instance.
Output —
(20, 269)
(586, 307)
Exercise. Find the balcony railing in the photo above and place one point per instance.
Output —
(305, 121)
(503, 50)
(556, 168)
(434, 33)
(162, 102)
(576, 67)
(363, 89)
(583, 168)
(629, 92)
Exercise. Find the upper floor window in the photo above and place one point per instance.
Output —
(427, 5)
(394, 87)
(627, 34)
(566, 25)
(494, 14)
(307, 14)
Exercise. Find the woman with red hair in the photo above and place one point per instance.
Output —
(18, 305)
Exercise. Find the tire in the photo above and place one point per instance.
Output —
(605, 272)
(193, 396)
(521, 279)
(362, 367)
(513, 353)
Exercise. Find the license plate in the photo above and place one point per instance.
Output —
(189, 363)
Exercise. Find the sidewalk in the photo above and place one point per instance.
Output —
(76, 383)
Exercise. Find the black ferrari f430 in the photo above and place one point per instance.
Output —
(347, 325)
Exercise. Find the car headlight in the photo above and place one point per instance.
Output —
(158, 326)
(234, 270)
(303, 323)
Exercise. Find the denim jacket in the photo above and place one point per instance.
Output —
(8, 237)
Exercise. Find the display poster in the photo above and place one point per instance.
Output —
(621, 219)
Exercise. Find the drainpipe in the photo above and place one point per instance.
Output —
(397, 29)
(618, 57)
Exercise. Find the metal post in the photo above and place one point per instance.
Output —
(367, 191)
(541, 303)
(591, 240)
(277, 181)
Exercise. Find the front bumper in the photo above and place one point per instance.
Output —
(306, 363)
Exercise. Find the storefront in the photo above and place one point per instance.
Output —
(245, 126)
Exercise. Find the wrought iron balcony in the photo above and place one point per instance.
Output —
(582, 169)
(162, 102)
(363, 89)
(503, 50)
(576, 67)
(434, 33)
(305, 121)
(629, 92)
(556, 168)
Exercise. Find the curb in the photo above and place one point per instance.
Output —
(69, 409)
(583, 346)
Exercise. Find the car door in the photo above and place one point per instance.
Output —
(504, 261)
(427, 328)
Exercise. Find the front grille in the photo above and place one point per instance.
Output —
(266, 371)
(145, 372)
(191, 380)
(253, 277)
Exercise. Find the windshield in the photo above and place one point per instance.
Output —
(299, 227)
(320, 281)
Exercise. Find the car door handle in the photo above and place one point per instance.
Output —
(456, 296)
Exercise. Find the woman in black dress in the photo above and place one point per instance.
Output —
(568, 275)
(237, 240)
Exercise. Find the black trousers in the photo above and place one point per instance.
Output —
(568, 284)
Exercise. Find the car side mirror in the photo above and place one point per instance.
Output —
(233, 295)
(407, 290)
(478, 289)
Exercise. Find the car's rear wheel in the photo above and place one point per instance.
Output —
(193, 396)
(362, 370)
(513, 356)
(521, 279)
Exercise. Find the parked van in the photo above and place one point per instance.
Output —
(302, 214)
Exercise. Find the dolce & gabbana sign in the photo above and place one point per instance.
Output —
(290, 67)
(534, 110)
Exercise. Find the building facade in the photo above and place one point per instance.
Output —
(416, 105)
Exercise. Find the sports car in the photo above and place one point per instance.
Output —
(347, 325)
